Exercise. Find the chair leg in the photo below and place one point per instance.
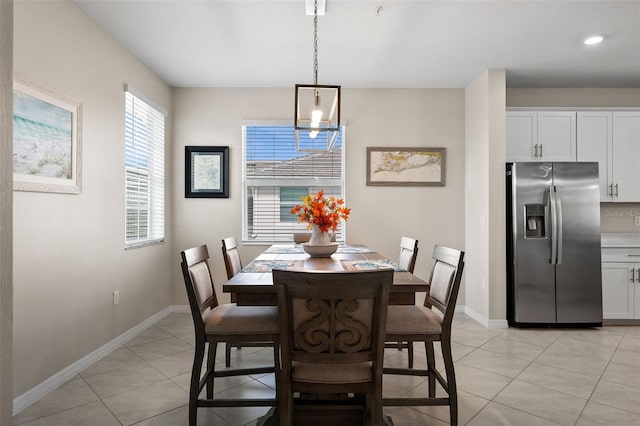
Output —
(451, 381)
(410, 353)
(227, 354)
(211, 361)
(431, 368)
(194, 387)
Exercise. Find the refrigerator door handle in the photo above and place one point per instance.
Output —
(558, 227)
(554, 225)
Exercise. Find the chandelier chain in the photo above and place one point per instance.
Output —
(315, 42)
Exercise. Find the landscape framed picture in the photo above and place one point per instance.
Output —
(47, 139)
(206, 171)
(393, 166)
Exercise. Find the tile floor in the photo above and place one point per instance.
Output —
(505, 377)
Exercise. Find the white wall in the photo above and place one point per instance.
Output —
(69, 249)
(375, 117)
(6, 210)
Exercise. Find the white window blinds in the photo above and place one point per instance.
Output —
(275, 175)
(144, 172)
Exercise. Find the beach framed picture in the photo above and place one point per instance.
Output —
(206, 171)
(406, 166)
(47, 136)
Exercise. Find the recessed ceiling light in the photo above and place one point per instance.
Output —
(593, 40)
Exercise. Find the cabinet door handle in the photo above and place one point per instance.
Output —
(633, 275)
(610, 190)
(638, 278)
(616, 193)
(535, 151)
(540, 151)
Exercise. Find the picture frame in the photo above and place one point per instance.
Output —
(416, 166)
(206, 171)
(47, 139)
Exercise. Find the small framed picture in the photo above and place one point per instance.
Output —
(406, 166)
(47, 139)
(206, 171)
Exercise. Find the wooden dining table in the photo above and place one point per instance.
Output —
(254, 286)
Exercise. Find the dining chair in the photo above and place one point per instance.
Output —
(231, 256)
(214, 323)
(406, 261)
(413, 323)
(233, 264)
(301, 237)
(332, 335)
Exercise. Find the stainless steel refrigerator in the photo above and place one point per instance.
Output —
(553, 244)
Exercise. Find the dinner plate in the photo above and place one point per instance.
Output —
(320, 250)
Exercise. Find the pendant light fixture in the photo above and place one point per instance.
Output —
(317, 106)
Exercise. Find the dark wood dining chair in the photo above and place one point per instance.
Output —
(406, 261)
(408, 254)
(214, 323)
(233, 264)
(413, 323)
(231, 256)
(332, 335)
(301, 237)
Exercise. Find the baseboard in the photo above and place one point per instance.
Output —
(496, 323)
(37, 392)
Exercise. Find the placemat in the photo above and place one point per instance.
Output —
(284, 249)
(347, 249)
(359, 265)
(268, 265)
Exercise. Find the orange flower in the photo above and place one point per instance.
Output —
(321, 211)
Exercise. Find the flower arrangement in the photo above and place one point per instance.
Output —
(324, 212)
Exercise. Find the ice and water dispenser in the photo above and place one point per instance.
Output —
(534, 225)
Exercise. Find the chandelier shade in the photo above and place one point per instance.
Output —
(317, 106)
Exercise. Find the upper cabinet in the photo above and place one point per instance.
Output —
(540, 136)
(613, 140)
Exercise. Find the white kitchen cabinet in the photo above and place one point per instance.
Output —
(621, 283)
(613, 140)
(618, 290)
(540, 136)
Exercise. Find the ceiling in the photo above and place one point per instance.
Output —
(408, 44)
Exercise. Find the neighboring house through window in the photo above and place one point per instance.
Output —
(144, 172)
(275, 176)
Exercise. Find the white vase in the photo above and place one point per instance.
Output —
(318, 237)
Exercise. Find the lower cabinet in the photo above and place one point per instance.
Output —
(620, 290)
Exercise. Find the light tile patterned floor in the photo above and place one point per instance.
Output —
(505, 377)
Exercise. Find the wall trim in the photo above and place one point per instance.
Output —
(53, 382)
(496, 323)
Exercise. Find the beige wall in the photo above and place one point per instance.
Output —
(6, 210)
(376, 117)
(484, 197)
(69, 249)
(573, 98)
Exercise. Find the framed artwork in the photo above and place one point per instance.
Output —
(206, 171)
(406, 166)
(47, 139)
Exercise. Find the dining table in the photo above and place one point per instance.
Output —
(253, 285)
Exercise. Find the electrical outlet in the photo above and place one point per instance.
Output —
(637, 220)
(116, 297)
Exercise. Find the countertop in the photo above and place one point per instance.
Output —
(620, 239)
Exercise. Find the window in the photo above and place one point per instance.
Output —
(275, 176)
(144, 172)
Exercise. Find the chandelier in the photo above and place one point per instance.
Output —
(317, 106)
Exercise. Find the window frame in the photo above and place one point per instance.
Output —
(150, 202)
(311, 184)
